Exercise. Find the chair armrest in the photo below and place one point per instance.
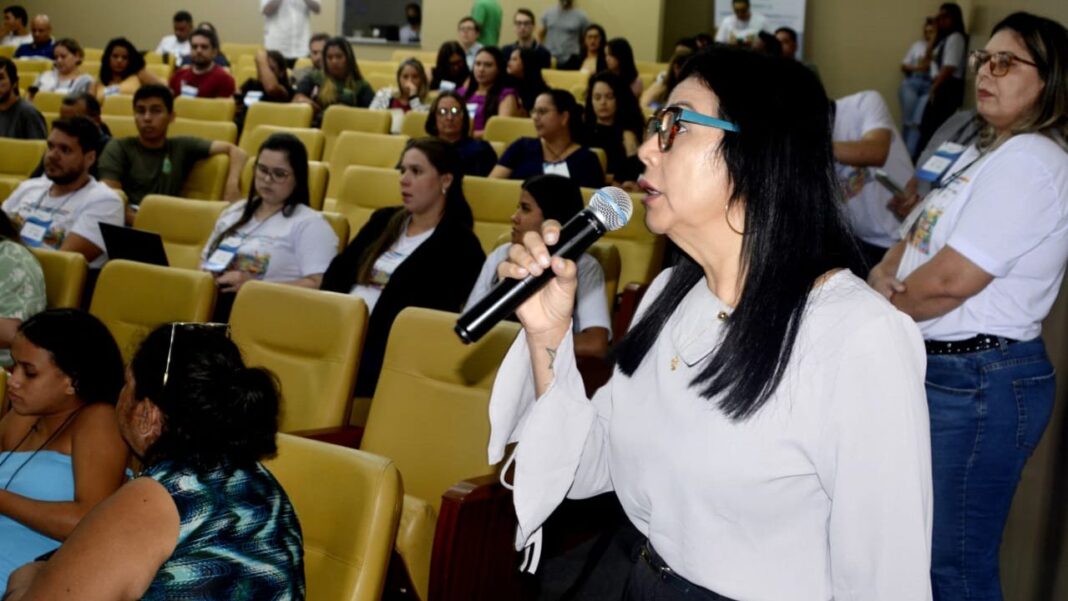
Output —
(474, 554)
(628, 304)
(346, 436)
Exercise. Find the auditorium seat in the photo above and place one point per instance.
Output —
(49, 118)
(243, 73)
(161, 71)
(414, 124)
(121, 126)
(151, 57)
(603, 158)
(607, 256)
(340, 224)
(338, 118)
(362, 191)
(313, 139)
(48, 101)
(651, 66)
(8, 51)
(220, 131)
(207, 179)
(361, 148)
(378, 80)
(117, 104)
(204, 109)
(565, 80)
(311, 340)
(64, 275)
(640, 251)
(508, 129)
(185, 225)
(348, 503)
(493, 202)
(375, 66)
(278, 113)
(18, 159)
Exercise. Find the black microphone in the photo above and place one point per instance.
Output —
(609, 209)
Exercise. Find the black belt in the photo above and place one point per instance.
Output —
(979, 342)
(664, 571)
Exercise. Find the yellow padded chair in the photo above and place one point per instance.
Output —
(338, 118)
(151, 57)
(49, 118)
(48, 101)
(207, 178)
(6, 188)
(185, 225)
(493, 202)
(508, 129)
(222, 131)
(64, 275)
(340, 224)
(278, 113)
(603, 158)
(310, 339)
(234, 52)
(429, 415)
(414, 124)
(378, 80)
(8, 52)
(161, 71)
(361, 148)
(133, 298)
(117, 104)
(565, 80)
(651, 66)
(640, 251)
(373, 66)
(362, 191)
(121, 126)
(243, 73)
(313, 139)
(607, 255)
(348, 503)
(18, 158)
(204, 109)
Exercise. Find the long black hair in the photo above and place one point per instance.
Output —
(297, 155)
(624, 55)
(493, 95)
(629, 115)
(782, 170)
(441, 71)
(533, 82)
(565, 102)
(82, 348)
(134, 64)
(584, 52)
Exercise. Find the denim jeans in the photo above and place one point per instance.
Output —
(912, 95)
(988, 411)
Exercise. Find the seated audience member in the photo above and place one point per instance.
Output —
(152, 163)
(555, 197)
(122, 70)
(18, 117)
(787, 37)
(525, 39)
(524, 70)
(865, 139)
(60, 448)
(340, 81)
(768, 44)
(273, 236)
(15, 27)
(558, 121)
(619, 57)
(315, 53)
(421, 254)
(411, 94)
(202, 78)
(177, 43)
(450, 70)
(657, 93)
(220, 58)
(485, 94)
(63, 209)
(592, 58)
(741, 28)
(81, 104)
(204, 519)
(22, 288)
(449, 121)
(66, 75)
(614, 122)
(42, 45)
(467, 33)
(271, 83)
(409, 33)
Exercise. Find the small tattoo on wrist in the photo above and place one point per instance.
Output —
(552, 356)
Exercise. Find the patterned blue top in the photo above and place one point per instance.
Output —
(238, 537)
(49, 477)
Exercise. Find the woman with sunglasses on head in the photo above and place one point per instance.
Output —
(557, 149)
(979, 269)
(486, 93)
(421, 254)
(204, 519)
(765, 427)
(274, 235)
(60, 449)
(449, 121)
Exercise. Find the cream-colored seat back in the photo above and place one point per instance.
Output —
(64, 275)
(339, 118)
(184, 224)
(364, 190)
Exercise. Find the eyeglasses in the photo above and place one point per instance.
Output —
(275, 174)
(665, 124)
(1000, 62)
(453, 111)
(189, 325)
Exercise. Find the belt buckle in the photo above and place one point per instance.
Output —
(663, 571)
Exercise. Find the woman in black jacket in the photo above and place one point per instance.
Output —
(421, 254)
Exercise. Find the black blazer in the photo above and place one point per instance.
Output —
(438, 275)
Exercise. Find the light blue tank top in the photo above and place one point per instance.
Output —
(47, 477)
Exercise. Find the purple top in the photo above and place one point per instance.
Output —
(477, 103)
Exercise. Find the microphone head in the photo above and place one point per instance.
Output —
(612, 206)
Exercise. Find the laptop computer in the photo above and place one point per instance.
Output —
(133, 245)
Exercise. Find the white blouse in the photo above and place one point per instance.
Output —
(825, 493)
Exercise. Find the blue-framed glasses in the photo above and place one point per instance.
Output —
(665, 124)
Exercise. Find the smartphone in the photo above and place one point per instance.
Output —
(887, 182)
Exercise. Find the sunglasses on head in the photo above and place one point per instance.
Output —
(186, 326)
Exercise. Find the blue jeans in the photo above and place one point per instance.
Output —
(912, 95)
(988, 411)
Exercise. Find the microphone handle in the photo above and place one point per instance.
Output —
(576, 236)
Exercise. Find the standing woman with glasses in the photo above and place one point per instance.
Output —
(449, 121)
(765, 427)
(274, 235)
(979, 269)
(204, 519)
(60, 449)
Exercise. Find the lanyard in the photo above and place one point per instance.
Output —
(40, 201)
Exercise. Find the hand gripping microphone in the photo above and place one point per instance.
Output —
(609, 209)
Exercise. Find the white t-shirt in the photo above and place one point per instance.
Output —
(1007, 212)
(279, 248)
(16, 40)
(915, 54)
(590, 308)
(865, 199)
(953, 50)
(170, 45)
(731, 30)
(386, 264)
(288, 30)
(31, 206)
(48, 81)
(824, 493)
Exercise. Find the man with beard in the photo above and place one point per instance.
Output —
(18, 117)
(202, 78)
(63, 208)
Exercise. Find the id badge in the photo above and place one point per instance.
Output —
(223, 256)
(472, 110)
(252, 97)
(937, 165)
(35, 229)
(188, 90)
(556, 169)
(111, 90)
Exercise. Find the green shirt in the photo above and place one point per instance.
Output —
(487, 13)
(22, 286)
(143, 171)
